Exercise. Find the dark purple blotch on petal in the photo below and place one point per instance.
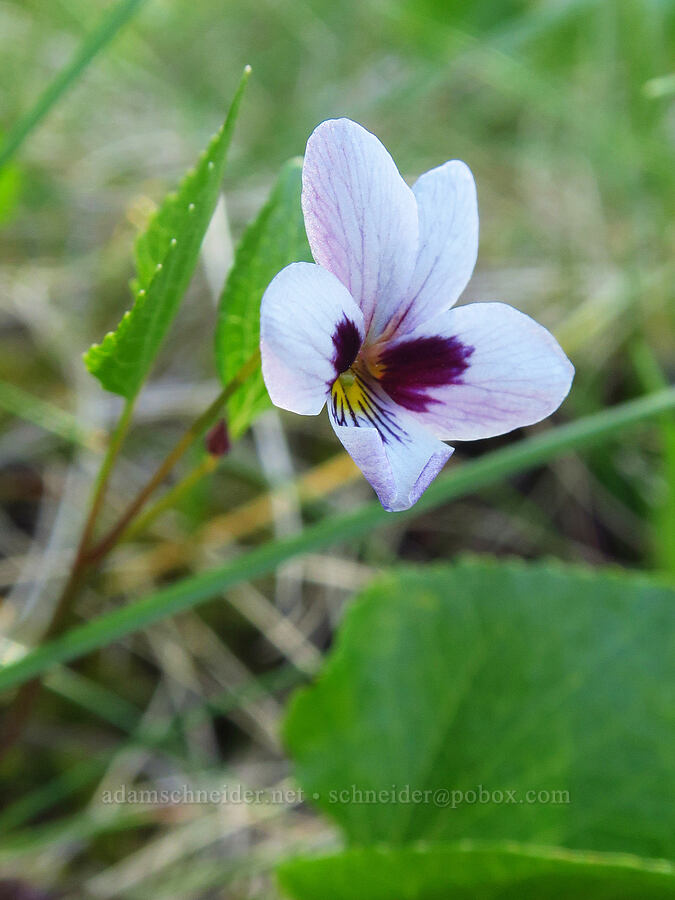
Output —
(347, 343)
(411, 367)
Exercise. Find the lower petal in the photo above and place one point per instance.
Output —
(397, 456)
(513, 373)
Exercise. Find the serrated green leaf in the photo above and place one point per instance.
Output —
(505, 677)
(166, 256)
(474, 871)
(274, 240)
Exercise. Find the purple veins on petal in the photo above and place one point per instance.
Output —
(411, 367)
(377, 415)
(356, 404)
(347, 343)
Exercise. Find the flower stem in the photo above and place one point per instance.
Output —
(97, 500)
(198, 427)
(101, 484)
(207, 465)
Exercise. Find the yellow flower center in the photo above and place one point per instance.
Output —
(348, 397)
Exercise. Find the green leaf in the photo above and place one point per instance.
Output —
(276, 239)
(486, 677)
(471, 871)
(349, 526)
(166, 256)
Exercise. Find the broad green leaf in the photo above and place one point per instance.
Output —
(470, 871)
(275, 239)
(497, 677)
(166, 256)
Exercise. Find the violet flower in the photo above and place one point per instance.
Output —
(369, 329)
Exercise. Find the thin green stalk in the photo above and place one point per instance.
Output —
(171, 497)
(118, 16)
(198, 427)
(114, 447)
(461, 480)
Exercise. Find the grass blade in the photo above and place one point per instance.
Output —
(30, 408)
(92, 45)
(460, 481)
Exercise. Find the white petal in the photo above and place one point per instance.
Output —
(301, 313)
(360, 216)
(398, 457)
(516, 373)
(448, 242)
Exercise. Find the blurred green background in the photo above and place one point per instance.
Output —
(565, 112)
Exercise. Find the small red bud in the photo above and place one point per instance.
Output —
(218, 440)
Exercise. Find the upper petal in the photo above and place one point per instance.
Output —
(448, 242)
(477, 371)
(360, 216)
(310, 331)
(398, 457)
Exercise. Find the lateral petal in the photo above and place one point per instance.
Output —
(508, 372)
(310, 330)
